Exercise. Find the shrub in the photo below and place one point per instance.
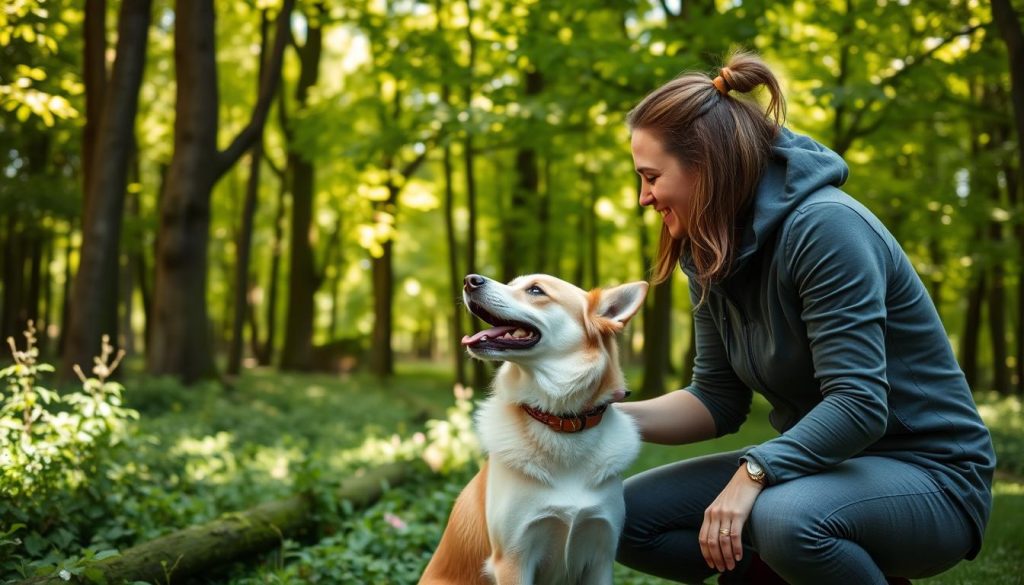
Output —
(56, 455)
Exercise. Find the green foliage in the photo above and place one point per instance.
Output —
(58, 456)
(1004, 416)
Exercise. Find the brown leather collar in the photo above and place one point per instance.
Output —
(572, 423)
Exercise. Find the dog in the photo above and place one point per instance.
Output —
(547, 505)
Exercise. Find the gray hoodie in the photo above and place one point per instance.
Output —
(824, 315)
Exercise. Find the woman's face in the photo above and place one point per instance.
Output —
(664, 184)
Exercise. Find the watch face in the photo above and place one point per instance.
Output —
(754, 469)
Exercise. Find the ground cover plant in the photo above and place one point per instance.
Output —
(198, 452)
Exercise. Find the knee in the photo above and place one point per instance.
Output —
(783, 528)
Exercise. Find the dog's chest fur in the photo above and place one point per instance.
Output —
(555, 497)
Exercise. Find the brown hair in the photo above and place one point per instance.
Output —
(725, 141)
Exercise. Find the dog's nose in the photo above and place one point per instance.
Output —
(474, 281)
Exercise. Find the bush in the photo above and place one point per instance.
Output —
(56, 457)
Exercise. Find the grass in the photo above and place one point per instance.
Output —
(255, 442)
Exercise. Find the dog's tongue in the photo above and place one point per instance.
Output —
(492, 333)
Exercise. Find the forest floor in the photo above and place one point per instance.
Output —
(334, 419)
(212, 449)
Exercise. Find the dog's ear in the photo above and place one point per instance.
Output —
(619, 304)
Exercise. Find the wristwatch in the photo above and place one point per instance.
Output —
(755, 471)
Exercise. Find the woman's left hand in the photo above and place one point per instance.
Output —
(722, 530)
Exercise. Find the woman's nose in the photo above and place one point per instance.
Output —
(646, 198)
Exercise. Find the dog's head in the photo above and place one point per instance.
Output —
(539, 317)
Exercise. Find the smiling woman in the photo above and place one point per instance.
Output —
(882, 465)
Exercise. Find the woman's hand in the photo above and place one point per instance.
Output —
(722, 530)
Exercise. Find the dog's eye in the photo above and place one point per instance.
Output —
(535, 290)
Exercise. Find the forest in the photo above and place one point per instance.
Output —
(233, 237)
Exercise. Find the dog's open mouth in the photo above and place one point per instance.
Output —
(503, 334)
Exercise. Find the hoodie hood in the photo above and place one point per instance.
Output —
(798, 167)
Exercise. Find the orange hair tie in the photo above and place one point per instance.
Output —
(721, 82)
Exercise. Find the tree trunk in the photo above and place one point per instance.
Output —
(515, 249)
(266, 354)
(468, 161)
(198, 550)
(129, 264)
(14, 278)
(382, 357)
(544, 202)
(997, 308)
(35, 266)
(972, 330)
(303, 279)
(1008, 22)
(65, 297)
(580, 237)
(592, 239)
(49, 246)
(657, 341)
(181, 343)
(95, 290)
(243, 245)
(454, 275)
(935, 284)
(94, 63)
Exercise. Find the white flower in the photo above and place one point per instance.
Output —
(65, 575)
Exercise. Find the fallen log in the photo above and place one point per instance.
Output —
(232, 537)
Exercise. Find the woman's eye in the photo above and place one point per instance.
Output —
(535, 290)
(651, 180)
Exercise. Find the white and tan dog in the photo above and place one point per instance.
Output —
(547, 506)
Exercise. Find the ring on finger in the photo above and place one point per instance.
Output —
(724, 531)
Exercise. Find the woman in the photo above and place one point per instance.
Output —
(882, 466)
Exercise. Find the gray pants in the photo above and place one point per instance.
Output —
(866, 518)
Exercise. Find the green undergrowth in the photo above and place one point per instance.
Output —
(198, 452)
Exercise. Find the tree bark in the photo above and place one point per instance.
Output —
(197, 550)
(243, 245)
(968, 357)
(514, 248)
(303, 277)
(1008, 22)
(181, 344)
(95, 291)
(265, 354)
(468, 162)
(454, 275)
(657, 341)
(382, 356)
(94, 62)
(997, 305)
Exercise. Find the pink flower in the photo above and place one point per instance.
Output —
(395, 522)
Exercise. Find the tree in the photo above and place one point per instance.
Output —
(243, 245)
(303, 276)
(1007, 20)
(180, 341)
(95, 293)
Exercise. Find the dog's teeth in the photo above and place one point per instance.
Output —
(519, 334)
(484, 338)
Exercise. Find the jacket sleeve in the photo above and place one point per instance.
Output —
(714, 382)
(839, 265)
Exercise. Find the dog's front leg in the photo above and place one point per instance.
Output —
(599, 573)
(510, 570)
